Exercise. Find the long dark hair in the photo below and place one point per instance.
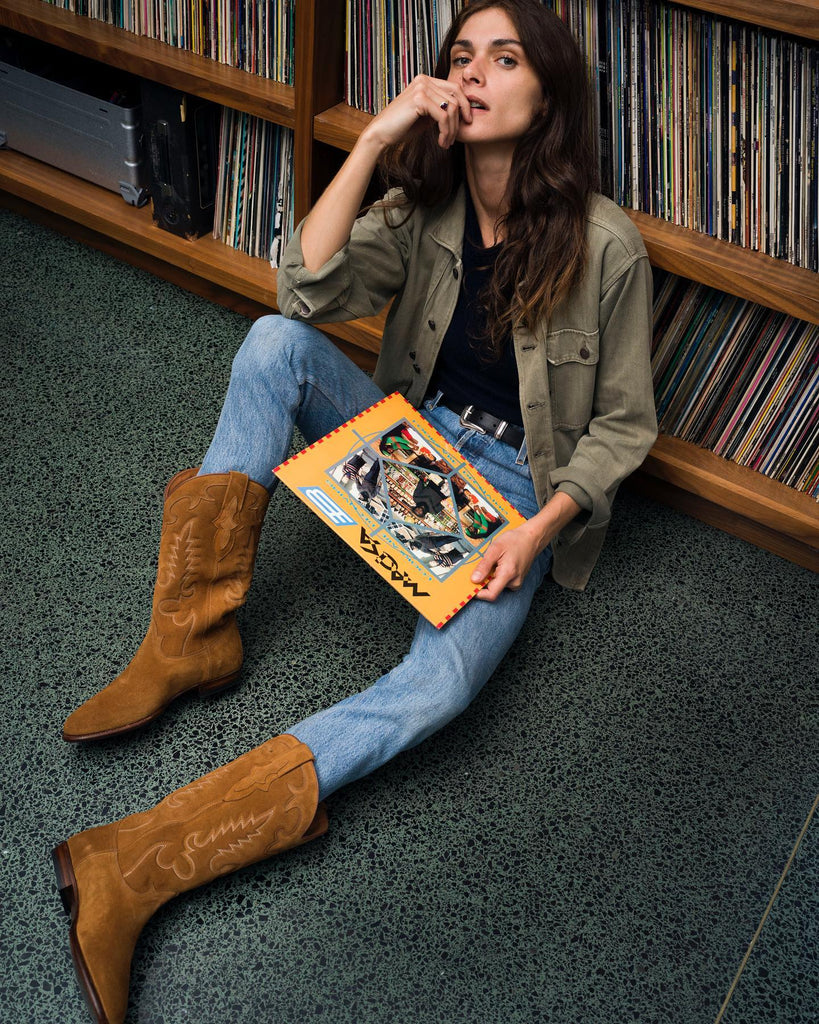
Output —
(554, 169)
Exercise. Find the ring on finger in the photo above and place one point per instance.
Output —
(444, 105)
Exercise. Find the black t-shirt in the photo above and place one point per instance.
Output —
(463, 370)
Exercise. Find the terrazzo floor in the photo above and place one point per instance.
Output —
(596, 840)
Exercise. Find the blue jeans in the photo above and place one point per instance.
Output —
(287, 373)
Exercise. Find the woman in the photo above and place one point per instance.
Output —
(519, 325)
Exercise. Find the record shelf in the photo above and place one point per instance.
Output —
(731, 497)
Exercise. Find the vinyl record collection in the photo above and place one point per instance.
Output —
(738, 379)
(254, 198)
(389, 42)
(254, 35)
(703, 122)
(713, 125)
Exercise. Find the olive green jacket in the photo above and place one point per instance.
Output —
(585, 379)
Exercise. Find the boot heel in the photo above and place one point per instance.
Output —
(66, 882)
(218, 685)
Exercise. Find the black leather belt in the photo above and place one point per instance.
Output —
(484, 423)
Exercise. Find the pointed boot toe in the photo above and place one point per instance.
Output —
(151, 682)
(106, 920)
(119, 707)
(113, 878)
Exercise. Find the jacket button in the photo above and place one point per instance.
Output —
(416, 367)
(455, 273)
(431, 324)
(412, 355)
(303, 309)
(584, 353)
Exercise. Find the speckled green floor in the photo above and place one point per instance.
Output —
(595, 840)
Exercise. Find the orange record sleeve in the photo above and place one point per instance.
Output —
(406, 501)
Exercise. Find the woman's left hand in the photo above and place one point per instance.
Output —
(509, 557)
(507, 561)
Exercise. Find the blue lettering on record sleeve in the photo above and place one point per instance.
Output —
(327, 506)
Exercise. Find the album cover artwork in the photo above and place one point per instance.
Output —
(406, 501)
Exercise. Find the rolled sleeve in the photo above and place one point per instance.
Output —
(594, 502)
(357, 281)
(304, 294)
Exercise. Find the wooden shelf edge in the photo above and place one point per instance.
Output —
(150, 58)
(340, 126)
(106, 212)
(735, 489)
(723, 519)
(795, 17)
(723, 265)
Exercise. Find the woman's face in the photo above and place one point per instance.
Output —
(488, 61)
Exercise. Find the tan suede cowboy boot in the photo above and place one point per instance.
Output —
(210, 533)
(113, 878)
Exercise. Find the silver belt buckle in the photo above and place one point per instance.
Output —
(464, 420)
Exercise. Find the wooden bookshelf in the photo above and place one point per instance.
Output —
(729, 496)
(148, 58)
(340, 126)
(743, 272)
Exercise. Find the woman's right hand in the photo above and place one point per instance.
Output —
(442, 100)
(328, 226)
